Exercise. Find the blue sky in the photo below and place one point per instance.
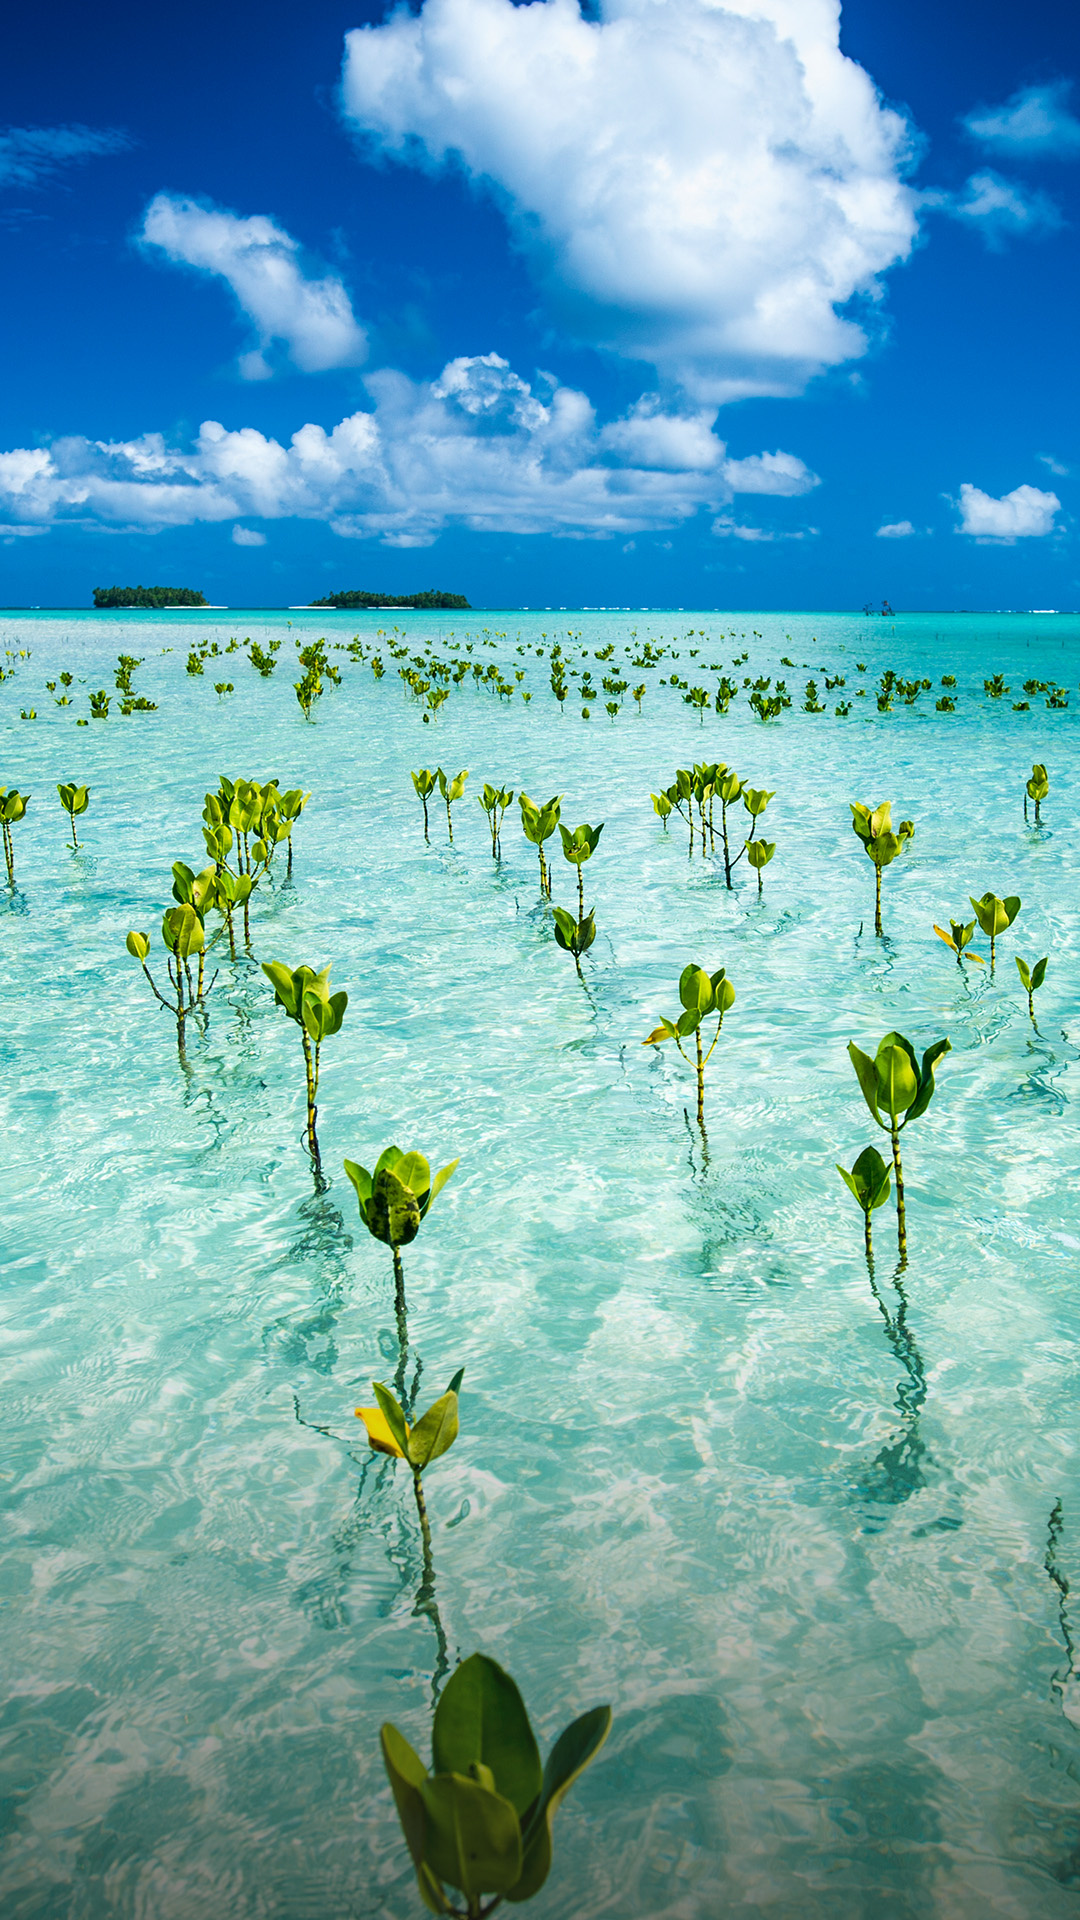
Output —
(660, 303)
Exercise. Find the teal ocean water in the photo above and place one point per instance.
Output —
(818, 1546)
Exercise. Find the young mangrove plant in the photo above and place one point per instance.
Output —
(869, 1181)
(74, 800)
(424, 782)
(451, 790)
(184, 937)
(995, 916)
(702, 995)
(1031, 978)
(480, 1822)
(661, 808)
(306, 997)
(13, 806)
(394, 1199)
(759, 853)
(494, 801)
(897, 1089)
(1036, 789)
(958, 939)
(389, 1432)
(577, 847)
(538, 824)
(874, 828)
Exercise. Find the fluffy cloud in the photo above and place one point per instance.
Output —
(476, 448)
(260, 262)
(1024, 514)
(700, 186)
(248, 537)
(1035, 121)
(895, 530)
(999, 209)
(31, 155)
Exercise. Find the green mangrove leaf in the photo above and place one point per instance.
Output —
(472, 1837)
(481, 1717)
(573, 1751)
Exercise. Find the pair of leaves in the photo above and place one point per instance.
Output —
(494, 798)
(700, 993)
(182, 931)
(424, 782)
(451, 789)
(539, 823)
(580, 845)
(397, 1195)
(73, 799)
(434, 1433)
(894, 1082)
(759, 853)
(868, 1180)
(1039, 785)
(959, 937)
(756, 799)
(993, 915)
(306, 997)
(1031, 978)
(574, 936)
(482, 1821)
(12, 805)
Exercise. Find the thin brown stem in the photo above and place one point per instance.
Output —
(877, 899)
(901, 1216)
(700, 1082)
(580, 894)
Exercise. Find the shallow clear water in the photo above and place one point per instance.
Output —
(798, 1537)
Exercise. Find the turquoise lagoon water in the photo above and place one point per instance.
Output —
(814, 1548)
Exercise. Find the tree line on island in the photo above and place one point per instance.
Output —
(188, 597)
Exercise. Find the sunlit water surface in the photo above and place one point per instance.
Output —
(815, 1549)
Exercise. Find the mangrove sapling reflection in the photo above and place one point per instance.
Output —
(1036, 789)
(389, 1432)
(880, 843)
(869, 1181)
(494, 801)
(995, 916)
(13, 807)
(702, 995)
(306, 998)
(451, 790)
(424, 783)
(1031, 978)
(897, 1089)
(480, 1822)
(394, 1199)
(958, 939)
(74, 800)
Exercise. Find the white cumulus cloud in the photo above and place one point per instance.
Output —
(1034, 120)
(261, 264)
(701, 186)
(895, 530)
(1024, 514)
(999, 209)
(248, 537)
(478, 447)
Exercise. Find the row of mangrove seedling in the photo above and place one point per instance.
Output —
(427, 677)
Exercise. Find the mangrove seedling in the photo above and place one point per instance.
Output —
(451, 790)
(995, 916)
(389, 1432)
(702, 995)
(574, 936)
(1036, 789)
(662, 808)
(480, 1822)
(894, 1084)
(538, 824)
(869, 1182)
(959, 938)
(578, 847)
(13, 806)
(759, 853)
(74, 800)
(424, 783)
(1031, 979)
(183, 935)
(394, 1199)
(494, 801)
(729, 787)
(306, 997)
(881, 844)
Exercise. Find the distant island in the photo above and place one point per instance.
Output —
(148, 597)
(418, 601)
